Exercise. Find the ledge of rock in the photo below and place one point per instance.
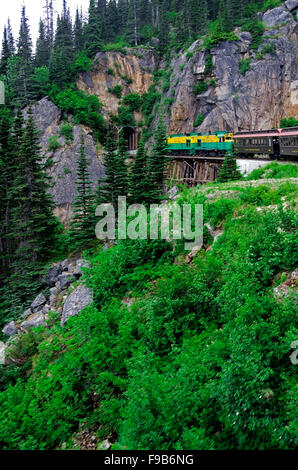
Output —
(10, 329)
(276, 16)
(291, 4)
(37, 319)
(77, 300)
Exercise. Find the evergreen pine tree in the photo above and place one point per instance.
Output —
(42, 53)
(229, 170)
(82, 228)
(133, 34)
(5, 54)
(121, 175)
(6, 177)
(24, 81)
(11, 42)
(157, 160)
(63, 52)
(107, 190)
(33, 226)
(78, 32)
(139, 181)
(92, 31)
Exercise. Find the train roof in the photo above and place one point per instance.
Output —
(218, 133)
(287, 131)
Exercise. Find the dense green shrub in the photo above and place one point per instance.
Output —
(82, 63)
(200, 360)
(86, 109)
(256, 29)
(149, 99)
(53, 143)
(199, 120)
(200, 88)
(274, 170)
(116, 90)
(289, 122)
(133, 100)
(66, 130)
(125, 117)
(244, 66)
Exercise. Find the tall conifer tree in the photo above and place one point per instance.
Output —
(83, 222)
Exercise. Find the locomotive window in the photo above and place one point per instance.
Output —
(199, 143)
(188, 143)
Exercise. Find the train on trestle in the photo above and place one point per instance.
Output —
(278, 144)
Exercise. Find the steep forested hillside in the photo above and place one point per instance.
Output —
(139, 344)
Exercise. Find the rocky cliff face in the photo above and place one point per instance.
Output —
(259, 98)
(133, 70)
(267, 92)
(62, 162)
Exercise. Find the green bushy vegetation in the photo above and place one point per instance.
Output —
(116, 90)
(66, 130)
(200, 88)
(53, 143)
(200, 360)
(267, 49)
(169, 355)
(274, 170)
(289, 122)
(86, 109)
(199, 120)
(133, 101)
(244, 66)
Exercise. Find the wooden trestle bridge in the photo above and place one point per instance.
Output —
(193, 170)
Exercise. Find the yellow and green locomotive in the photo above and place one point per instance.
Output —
(216, 144)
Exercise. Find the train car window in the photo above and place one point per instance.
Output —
(199, 143)
(188, 143)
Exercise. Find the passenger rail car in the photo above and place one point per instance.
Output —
(277, 143)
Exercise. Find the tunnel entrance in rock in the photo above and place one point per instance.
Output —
(131, 136)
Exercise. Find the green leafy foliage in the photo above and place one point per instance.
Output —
(53, 143)
(199, 120)
(274, 170)
(116, 90)
(289, 122)
(244, 66)
(200, 88)
(66, 130)
(82, 63)
(85, 109)
(199, 360)
(133, 100)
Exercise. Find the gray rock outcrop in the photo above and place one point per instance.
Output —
(276, 17)
(256, 99)
(2, 353)
(77, 300)
(52, 275)
(10, 329)
(38, 303)
(62, 163)
(291, 4)
(35, 320)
